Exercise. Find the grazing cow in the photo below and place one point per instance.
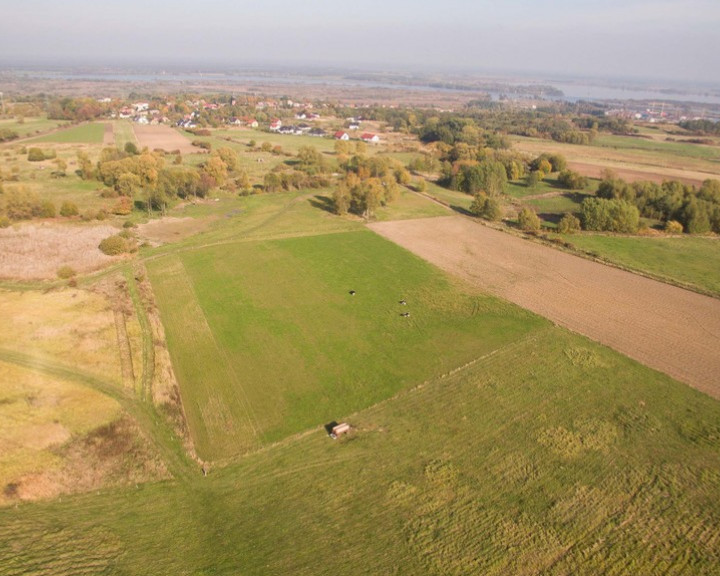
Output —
(403, 302)
(352, 292)
(405, 314)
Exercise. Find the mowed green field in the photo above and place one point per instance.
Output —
(552, 456)
(267, 341)
(686, 260)
(91, 133)
(30, 126)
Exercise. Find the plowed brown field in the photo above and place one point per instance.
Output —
(163, 137)
(664, 327)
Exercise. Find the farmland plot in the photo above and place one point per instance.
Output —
(267, 341)
(665, 327)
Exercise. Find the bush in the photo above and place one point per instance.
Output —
(568, 224)
(35, 155)
(66, 272)
(68, 209)
(4, 221)
(572, 180)
(114, 245)
(673, 227)
(528, 220)
(202, 144)
(47, 210)
(131, 148)
(486, 207)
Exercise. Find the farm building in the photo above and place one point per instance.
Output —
(341, 135)
(372, 138)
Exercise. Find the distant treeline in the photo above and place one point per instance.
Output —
(701, 127)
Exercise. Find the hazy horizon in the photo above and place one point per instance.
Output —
(630, 39)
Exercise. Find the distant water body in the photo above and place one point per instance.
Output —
(571, 91)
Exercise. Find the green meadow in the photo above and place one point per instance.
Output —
(686, 260)
(91, 133)
(267, 341)
(552, 455)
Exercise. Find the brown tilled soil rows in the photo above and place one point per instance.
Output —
(163, 137)
(108, 135)
(667, 328)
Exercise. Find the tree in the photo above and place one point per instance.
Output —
(341, 199)
(528, 220)
(568, 224)
(131, 148)
(229, 157)
(216, 169)
(609, 215)
(533, 179)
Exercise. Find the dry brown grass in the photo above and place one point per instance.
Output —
(664, 327)
(629, 164)
(171, 229)
(35, 251)
(73, 327)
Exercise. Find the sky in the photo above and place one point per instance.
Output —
(674, 40)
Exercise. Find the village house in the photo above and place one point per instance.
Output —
(372, 138)
(341, 135)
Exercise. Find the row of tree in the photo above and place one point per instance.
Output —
(696, 209)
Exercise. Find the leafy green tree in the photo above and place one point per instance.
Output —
(609, 215)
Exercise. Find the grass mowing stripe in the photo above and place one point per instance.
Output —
(211, 394)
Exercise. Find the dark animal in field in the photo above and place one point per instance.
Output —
(403, 302)
(405, 314)
(352, 292)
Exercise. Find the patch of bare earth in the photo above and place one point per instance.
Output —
(115, 454)
(662, 326)
(36, 251)
(108, 135)
(164, 138)
(171, 229)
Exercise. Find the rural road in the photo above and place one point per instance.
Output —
(664, 327)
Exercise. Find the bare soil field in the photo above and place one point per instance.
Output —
(664, 327)
(163, 137)
(109, 135)
(36, 251)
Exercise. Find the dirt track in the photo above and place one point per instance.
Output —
(667, 328)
